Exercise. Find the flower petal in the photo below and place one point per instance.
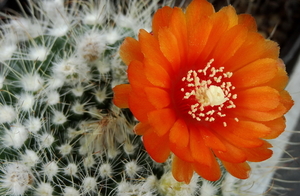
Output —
(211, 173)
(238, 170)
(142, 128)
(220, 25)
(169, 47)
(247, 76)
(258, 154)
(157, 75)
(130, 50)
(232, 153)
(231, 15)
(198, 38)
(286, 100)
(159, 98)
(157, 146)
(200, 152)
(178, 28)
(260, 115)
(183, 152)
(182, 170)
(248, 129)
(196, 10)
(157, 68)
(121, 95)
(234, 139)
(277, 126)
(162, 120)
(161, 19)
(229, 43)
(179, 134)
(256, 47)
(280, 80)
(248, 21)
(136, 76)
(140, 106)
(211, 140)
(261, 98)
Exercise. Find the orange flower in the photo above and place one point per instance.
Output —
(205, 85)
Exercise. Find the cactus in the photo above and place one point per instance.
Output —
(60, 134)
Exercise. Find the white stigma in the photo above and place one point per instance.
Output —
(215, 95)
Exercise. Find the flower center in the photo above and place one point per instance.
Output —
(208, 93)
(213, 95)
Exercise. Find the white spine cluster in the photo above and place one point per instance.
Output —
(16, 136)
(17, 178)
(167, 185)
(7, 114)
